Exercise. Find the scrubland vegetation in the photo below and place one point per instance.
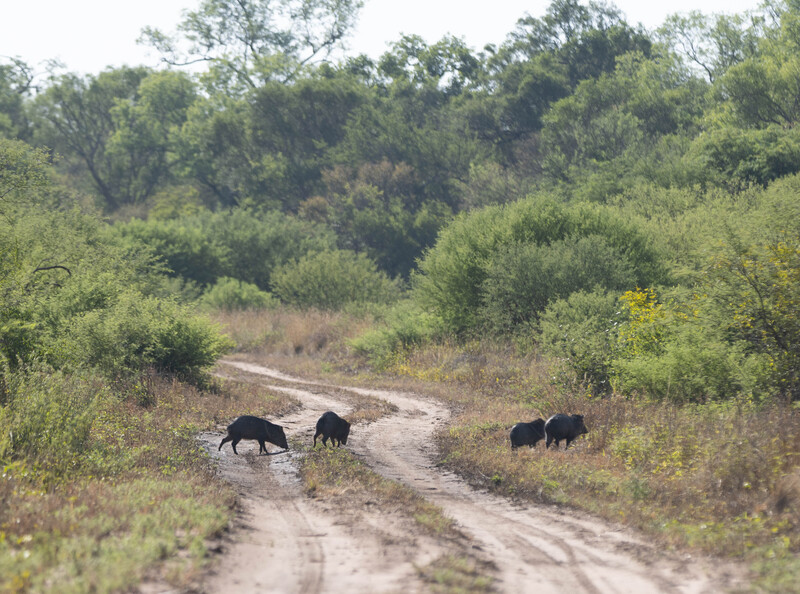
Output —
(588, 217)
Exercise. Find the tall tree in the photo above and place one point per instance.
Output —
(712, 43)
(16, 83)
(248, 42)
(119, 124)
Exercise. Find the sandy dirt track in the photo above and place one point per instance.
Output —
(284, 541)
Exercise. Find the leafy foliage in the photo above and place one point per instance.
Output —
(455, 274)
(241, 244)
(331, 280)
(581, 329)
(231, 294)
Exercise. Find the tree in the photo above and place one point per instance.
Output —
(16, 83)
(121, 125)
(616, 120)
(377, 210)
(448, 63)
(268, 148)
(23, 170)
(712, 43)
(752, 129)
(586, 39)
(248, 42)
(754, 281)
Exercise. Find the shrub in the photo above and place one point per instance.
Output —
(138, 332)
(330, 280)
(406, 326)
(582, 330)
(691, 367)
(230, 294)
(46, 419)
(522, 280)
(453, 274)
(677, 350)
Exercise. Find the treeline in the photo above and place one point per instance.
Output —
(622, 199)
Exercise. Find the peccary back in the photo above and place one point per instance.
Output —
(566, 427)
(330, 425)
(527, 433)
(249, 427)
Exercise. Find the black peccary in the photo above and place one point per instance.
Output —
(330, 425)
(249, 427)
(562, 426)
(527, 433)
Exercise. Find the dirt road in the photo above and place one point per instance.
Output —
(287, 542)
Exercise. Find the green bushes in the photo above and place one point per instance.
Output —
(581, 330)
(72, 295)
(46, 419)
(486, 261)
(333, 279)
(138, 332)
(230, 294)
(525, 278)
(241, 244)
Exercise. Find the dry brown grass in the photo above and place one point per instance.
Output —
(287, 332)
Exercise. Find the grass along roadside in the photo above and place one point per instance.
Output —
(133, 500)
(720, 479)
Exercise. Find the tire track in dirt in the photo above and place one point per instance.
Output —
(545, 547)
(283, 541)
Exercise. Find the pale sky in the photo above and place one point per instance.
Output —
(88, 35)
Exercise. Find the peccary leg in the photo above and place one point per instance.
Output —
(262, 446)
(233, 444)
(224, 440)
(315, 438)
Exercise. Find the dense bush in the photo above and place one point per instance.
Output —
(74, 295)
(454, 273)
(240, 244)
(230, 294)
(136, 332)
(333, 279)
(47, 418)
(581, 330)
(525, 278)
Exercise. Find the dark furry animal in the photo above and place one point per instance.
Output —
(248, 427)
(562, 426)
(527, 434)
(330, 425)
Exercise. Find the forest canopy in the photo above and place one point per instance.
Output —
(585, 173)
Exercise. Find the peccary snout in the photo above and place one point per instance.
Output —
(527, 433)
(561, 426)
(249, 427)
(330, 425)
